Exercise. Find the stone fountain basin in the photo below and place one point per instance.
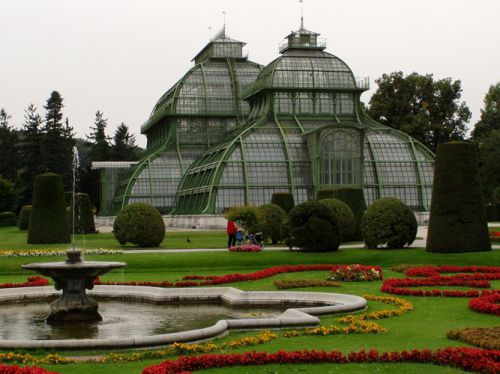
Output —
(310, 305)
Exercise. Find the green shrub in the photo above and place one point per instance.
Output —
(245, 216)
(24, 217)
(313, 227)
(284, 200)
(389, 221)
(84, 216)
(271, 218)
(68, 198)
(285, 233)
(354, 198)
(344, 215)
(140, 224)
(7, 195)
(48, 224)
(493, 212)
(457, 220)
(7, 219)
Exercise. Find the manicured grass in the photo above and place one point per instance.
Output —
(424, 327)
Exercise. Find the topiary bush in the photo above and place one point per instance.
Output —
(24, 218)
(140, 224)
(271, 218)
(7, 219)
(389, 221)
(313, 227)
(84, 216)
(354, 198)
(284, 200)
(345, 217)
(457, 220)
(246, 217)
(48, 224)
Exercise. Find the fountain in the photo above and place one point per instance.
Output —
(74, 276)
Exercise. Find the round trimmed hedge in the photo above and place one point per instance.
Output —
(24, 218)
(457, 221)
(313, 227)
(7, 219)
(245, 216)
(284, 200)
(271, 217)
(345, 216)
(48, 224)
(84, 216)
(389, 221)
(140, 224)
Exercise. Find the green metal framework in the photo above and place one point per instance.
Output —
(301, 97)
(196, 113)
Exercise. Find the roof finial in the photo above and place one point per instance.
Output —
(301, 14)
(210, 32)
(224, 26)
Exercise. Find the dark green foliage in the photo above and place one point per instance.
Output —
(489, 166)
(271, 217)
(98, 138)
(8, 144)
(490, 114)
(7, 195)
(429, 110)
(345, 216)
(313, 227)
(124, 148)
(284, 200)
(245, 217)
(24, 218)
(389, 221)
(48, 223)
(68, 197)
(493, 212)
(84, 217)
(458, 220)
(7, 219)
(140, 224)
(354, 198)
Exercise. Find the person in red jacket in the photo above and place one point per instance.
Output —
(231, 230)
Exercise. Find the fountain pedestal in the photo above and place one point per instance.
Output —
(74, 277)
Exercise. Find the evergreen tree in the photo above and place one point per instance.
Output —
(100, 145)
(29, 153)
(124, 148)
(428, 110)
(8, 140)
(55, 156)
(490, 115)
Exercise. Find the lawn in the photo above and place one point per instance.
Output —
(424, 327)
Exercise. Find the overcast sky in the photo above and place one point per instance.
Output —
(120, 56)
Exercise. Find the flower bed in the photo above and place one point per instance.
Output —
(479, 272)
(245, 248)
(482, 337)
(13, 369)
(470, 359)
(487, 303)
(356, 273)
(35, 281)
(55, 252)
(284, 284)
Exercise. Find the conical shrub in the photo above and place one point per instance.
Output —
(48, 224)
(24, 218)
(84, 217)
(457, 220)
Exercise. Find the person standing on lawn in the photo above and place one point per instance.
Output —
(231, 231)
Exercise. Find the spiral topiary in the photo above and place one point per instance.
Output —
(140, 224)
(389, 221)
(271, 218)
(344, 215)
(313, 227)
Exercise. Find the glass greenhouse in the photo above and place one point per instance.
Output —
(232, 133)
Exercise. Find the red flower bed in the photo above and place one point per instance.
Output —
(477, 279)
(32, 282)
(245, 248)
(14, 369)
(488, 302)
(470, 359)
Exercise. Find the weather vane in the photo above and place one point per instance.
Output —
(224, 26)
(210, 31)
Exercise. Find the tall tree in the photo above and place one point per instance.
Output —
(429, 110)
(490, 115)
(124, 148)
(100, 145)
(8, 141)
(30, 153)
(489, 166)
(55, 154)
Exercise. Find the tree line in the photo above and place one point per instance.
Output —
(44, 144)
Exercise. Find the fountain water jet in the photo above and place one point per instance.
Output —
(74, 276)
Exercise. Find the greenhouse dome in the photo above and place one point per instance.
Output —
(196, 113)
(306, 131)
